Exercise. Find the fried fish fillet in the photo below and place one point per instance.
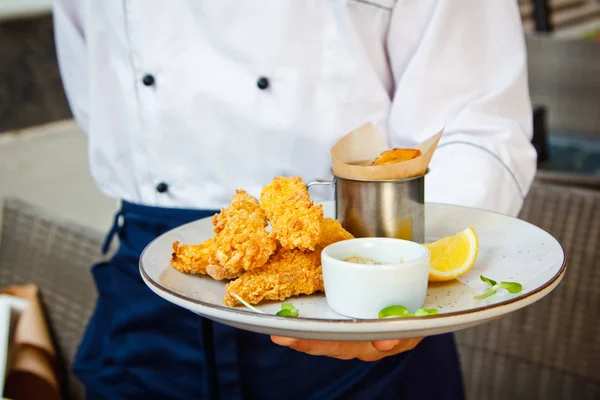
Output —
(241, 241)
(332, 232)
(220, 273)
(396, 155)
(191, 259)
(288, 272)
(295, 219)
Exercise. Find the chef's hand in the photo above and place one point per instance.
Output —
(365, 351)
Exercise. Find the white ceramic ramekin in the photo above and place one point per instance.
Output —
(362, 290)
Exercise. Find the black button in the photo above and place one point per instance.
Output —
(262, 83)
(162, 187)
(148, 80)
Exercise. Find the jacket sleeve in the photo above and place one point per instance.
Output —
(71, 50)
(464, 66)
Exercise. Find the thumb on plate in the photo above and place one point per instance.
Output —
(385, 345)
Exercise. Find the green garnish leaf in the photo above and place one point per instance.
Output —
(424, 311)
(285, 313)
(513, 287)
(401, 311)
(393, 312)
(238, 298)
(486, 294)
(288, 310)
(489, 281)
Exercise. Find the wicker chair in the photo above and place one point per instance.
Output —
(56, 256)
(550, 350)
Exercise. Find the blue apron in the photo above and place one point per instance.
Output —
(138, 346)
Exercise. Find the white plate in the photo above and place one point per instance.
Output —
(510, 250)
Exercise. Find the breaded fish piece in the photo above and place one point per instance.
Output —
(332, 232)
(396, 155)
(191, 259)
(241, 240)
(220, 273)
(288, 273)
(295, 219)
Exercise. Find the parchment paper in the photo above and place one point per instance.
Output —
(352, 155)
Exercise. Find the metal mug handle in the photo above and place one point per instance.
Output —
(320, 182)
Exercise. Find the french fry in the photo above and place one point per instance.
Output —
(397, 155)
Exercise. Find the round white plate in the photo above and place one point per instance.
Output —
(510, 250)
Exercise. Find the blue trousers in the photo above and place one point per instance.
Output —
(138, 346)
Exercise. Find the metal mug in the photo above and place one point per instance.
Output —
(382, 208)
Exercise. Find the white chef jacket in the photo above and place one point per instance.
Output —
(168, 92)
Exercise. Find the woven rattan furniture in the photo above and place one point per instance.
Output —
(550, 350)
(56, 256)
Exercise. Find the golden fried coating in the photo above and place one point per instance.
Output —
(288, 272)
(295, 219)
(191, 258)
(220, 273)
(263, 265)
(331, 232)
(241, 241)
(396, 155)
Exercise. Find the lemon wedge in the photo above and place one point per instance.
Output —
(452, 256)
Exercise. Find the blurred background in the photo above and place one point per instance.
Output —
(54, 217)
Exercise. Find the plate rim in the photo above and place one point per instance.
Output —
(245, 312)
(370, 327)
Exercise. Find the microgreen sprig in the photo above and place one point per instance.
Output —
(424, 311)
(512, 287)
(288, 310)
(238, 298)
(401, 311)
